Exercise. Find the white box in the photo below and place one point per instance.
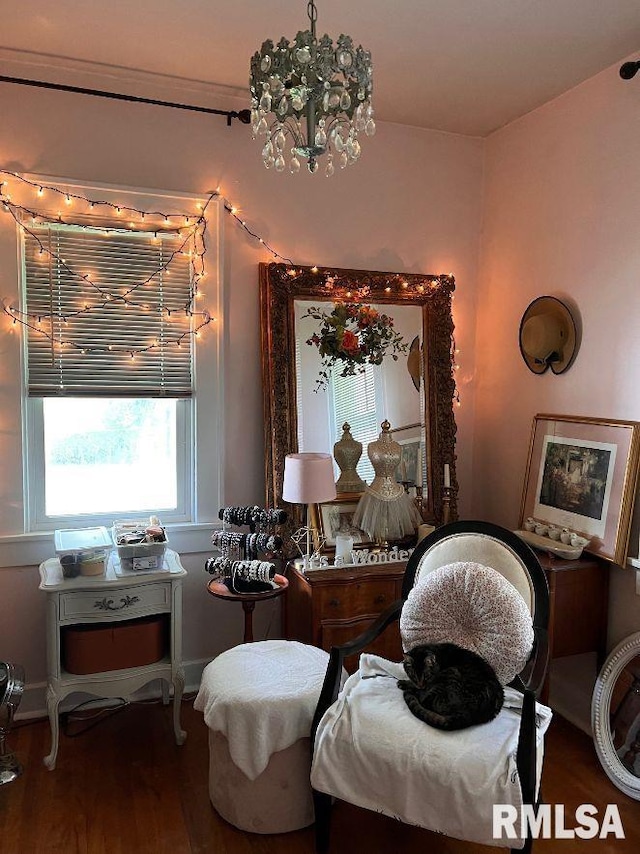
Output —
(138, 555)
(86, 548)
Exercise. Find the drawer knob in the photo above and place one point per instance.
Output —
(108, 604)
(380, 598)
(334, 603)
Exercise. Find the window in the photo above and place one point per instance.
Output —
(111, 418)
(355, 399)
(111, 456)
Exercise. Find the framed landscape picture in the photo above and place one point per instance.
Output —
(582, 474)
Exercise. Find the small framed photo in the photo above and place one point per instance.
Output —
(336, 517)
(410, 467)
(582, 474)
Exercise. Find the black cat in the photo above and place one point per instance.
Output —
(450, 687)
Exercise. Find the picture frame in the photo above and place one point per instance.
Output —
(410, 465)
(337, 515)
(412, 461)
(582, 474)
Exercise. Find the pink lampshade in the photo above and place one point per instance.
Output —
(308, 478)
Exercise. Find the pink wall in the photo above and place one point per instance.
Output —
(561, 217)
(411, 204)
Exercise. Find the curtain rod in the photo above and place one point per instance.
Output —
(243, 116)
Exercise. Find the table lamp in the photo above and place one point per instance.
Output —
(308, 479)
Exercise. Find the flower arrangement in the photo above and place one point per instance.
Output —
(353, 335)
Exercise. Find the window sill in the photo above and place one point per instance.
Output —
(34, 548)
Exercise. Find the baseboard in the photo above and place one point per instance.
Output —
(34, 705)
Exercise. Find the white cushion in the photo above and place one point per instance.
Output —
(475, 607)
(261, 696)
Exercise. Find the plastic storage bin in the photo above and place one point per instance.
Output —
(138, 555)
(82, 551)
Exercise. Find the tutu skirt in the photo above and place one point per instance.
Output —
(387, 518)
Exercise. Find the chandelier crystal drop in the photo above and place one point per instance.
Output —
(311, 99)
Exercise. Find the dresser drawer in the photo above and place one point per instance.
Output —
(123, 602)
(371, 596)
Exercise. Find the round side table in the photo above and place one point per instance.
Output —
(221, 591)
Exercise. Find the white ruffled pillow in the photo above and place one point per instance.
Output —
(474, 607)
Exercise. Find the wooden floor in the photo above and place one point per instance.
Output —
(124, 787)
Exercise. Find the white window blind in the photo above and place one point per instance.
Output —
(354, 402)
(121, 347)
(299, 406)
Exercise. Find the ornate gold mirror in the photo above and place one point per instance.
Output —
(300, 410)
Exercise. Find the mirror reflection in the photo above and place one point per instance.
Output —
(392, 390)
(624, 716)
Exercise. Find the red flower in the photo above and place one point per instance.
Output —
(350, 343)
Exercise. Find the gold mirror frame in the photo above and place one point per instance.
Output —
(280, 286)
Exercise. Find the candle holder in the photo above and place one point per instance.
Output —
(446, 505)
(420, 502)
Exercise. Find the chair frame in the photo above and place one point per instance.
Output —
(529, 681)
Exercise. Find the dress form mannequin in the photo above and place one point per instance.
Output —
(385, 511)
(347, 453)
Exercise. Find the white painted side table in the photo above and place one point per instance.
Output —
(111, 598)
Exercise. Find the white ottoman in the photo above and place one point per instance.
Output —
(258, 701)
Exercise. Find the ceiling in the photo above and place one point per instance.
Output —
(463, 66)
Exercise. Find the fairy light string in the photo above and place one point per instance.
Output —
(233, 212)
(455, 368)
(86, 278)
(190, 227)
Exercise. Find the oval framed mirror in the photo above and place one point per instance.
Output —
(615, 716)
(423, 306)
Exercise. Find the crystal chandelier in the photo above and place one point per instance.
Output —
(314, 93)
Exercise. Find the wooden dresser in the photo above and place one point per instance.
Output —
(325, 607)
(579, 604)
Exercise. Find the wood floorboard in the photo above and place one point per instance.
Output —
(124, 787)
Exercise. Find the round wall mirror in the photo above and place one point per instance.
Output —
(615, 716)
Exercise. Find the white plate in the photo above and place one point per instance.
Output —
(546, 544)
